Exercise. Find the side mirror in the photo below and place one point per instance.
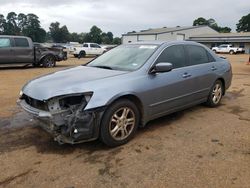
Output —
(162, 67)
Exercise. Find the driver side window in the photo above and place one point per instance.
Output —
(173, 54)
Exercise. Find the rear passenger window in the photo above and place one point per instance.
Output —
(173, 54)
(4, 43)
(21, 42)
(94, 46)
(197, 55)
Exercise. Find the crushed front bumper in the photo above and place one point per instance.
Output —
(68, 127)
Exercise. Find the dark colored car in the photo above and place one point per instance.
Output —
(60, 51)
(21, 50)
(125, 88)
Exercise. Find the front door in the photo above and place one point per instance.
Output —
(6, 51)
(170, 90)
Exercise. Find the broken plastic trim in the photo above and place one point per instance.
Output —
(68, 102)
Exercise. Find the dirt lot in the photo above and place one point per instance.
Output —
(198, 147)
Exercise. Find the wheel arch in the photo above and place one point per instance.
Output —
(82, 51)
(223, 84)
(46, 55)
(136, 100)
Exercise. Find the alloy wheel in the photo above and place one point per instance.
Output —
(217, 93)
(122, 123)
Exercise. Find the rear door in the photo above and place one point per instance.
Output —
(23, 52)
(96, 49)
(202, 67)
(6, 51)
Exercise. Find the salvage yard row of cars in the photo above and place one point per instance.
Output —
(126, 87)
(21, 50)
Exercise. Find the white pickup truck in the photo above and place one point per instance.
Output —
(227, 48)
(87, 49)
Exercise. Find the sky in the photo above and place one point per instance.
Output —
(120, 17)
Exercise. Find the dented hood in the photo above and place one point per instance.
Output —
(75, 80)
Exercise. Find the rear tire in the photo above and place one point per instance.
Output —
(215, 94)
(49, 61)
(81, 54)
(231, 52)
(119, 123)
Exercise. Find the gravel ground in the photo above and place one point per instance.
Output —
(197, 147)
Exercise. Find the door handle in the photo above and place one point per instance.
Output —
(186, 75)
(213, 68)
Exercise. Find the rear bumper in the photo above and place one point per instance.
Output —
(67, 127)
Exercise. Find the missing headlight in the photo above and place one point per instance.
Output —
(67, 102)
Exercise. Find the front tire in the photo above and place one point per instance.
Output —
(119, 123)
(215, 94)
(231, 52)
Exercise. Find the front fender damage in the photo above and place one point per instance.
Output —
(71, 124)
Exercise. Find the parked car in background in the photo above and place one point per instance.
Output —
(59, 50)
(87, 49)
(125, 88)
(21, 50)
(228, 48)
(108, 47)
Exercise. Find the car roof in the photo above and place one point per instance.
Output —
(156, 42)
(12, 36)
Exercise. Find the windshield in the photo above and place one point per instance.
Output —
(124, 57)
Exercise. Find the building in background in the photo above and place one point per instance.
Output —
(241, 40)
(202, 34)
(166, 34)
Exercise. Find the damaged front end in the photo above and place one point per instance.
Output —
(65, 118)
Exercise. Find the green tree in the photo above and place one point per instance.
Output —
(11, 27)
(211, 23)
(55, 31)
(82, 38)
(2, 24)
(95, 35)
(105, 39)
(244, 24)
(110, 36)
(21, 22)
(32, 28)
(74, 37)
(200, 21)
(117, 40)
(224, 29)
(48, 37)
(59, 34)
(64, 33)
